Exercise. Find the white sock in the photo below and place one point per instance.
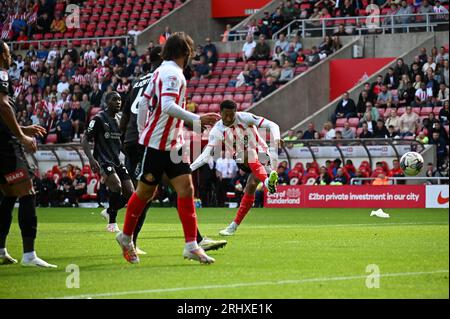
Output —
(234, 225)
(29, 256)
(3, 252)
(266, 182)
(192, 245)
(127, 239)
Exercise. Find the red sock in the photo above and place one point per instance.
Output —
(186, 212)
(246, 204)
(258, 170)
(134, 211)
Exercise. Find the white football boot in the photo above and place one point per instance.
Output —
(198, 255)
(36, 262)
(230, 230)
(128, 250)
(211, 244)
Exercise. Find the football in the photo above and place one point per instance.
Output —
(411, 163)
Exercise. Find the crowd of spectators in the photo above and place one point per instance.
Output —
(290, 10)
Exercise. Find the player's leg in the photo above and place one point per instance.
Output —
(112, 181)
(246, 204)
(150, 176)
(258, 169)
(6, 211)
(186, 211)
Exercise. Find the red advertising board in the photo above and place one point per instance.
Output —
(346, 73)
(390, 196)
(235, 8)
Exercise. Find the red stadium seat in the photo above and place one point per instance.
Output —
(353, 121)
(340, 122)
(51, 139)
(214, 108)
(207, 99)
(426, 110)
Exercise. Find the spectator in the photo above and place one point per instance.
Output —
(165, 35)
(248, 48)
(324, 178)
(392, 132)
(365, 131)
(330, 133)
(64, 129)
(340, 178)
(380, 130)
(266, 24)
(393, 120)
(262, 49)
(48, 192)
(341, 30)
(58, 25)
(78, 118)
(376, 86)
(442, 56)
(391, 79)
(226, 171)
(422, 138)
(253, 74)
(202, 69)
(310, 132)
(268, 87)
(429, 64)
(210, 47)
(375, 115)
(347, 132)
(345, 108)
(64, 188)
(283, 178)
(228, 34)
(403, 14)
(79, 188)
(96, 96)
(441, 147)
(421, 96)
(443, 113)
(400, 69)
(287, 73)
(381, 179)
(443, 94)
(274, 71)
(282, 43)
(408, 122)
(43, 24)
(362, 101)
(71, 52)
(445, 73)
(291, 137)
(277, 21)
(257, 90)
(384, 97)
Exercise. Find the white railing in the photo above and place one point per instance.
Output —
(360, 25)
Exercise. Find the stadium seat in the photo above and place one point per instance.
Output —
(353, 121)
(51, 139)
(214, 108)
(426, 110)
(340, 122)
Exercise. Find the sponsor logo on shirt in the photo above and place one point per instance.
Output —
(16, 176)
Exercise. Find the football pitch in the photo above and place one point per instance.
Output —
(276, 253)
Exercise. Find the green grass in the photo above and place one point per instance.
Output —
(277, 253)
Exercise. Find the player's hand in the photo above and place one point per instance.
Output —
(209, 119)
(34, 130)
(95, 166)
(29, 143)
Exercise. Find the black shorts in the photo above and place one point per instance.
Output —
(134, 154)
(156, 163)
(244, 167)
(121, 171)
(14, 168)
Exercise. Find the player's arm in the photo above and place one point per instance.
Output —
(205, 156)
(9, 119)
(171, 86)
(90, 133)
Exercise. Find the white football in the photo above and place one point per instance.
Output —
(411, 163)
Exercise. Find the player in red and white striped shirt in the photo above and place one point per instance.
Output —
(161, 117)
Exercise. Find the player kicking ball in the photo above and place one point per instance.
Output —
(15, 173)
(163, 109)
(242, 128)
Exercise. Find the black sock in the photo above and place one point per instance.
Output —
(114, 206)
(199, 236)
(6, 210)
(28, 222)
(122, 202)
(139, 224)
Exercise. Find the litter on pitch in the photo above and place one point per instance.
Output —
(379, 213)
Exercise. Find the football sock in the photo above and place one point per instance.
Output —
(6, 210)
(140, 223)
(258, 170)
(27, 222)
(134, 211)
(186, 212)
(199, 236)
(114, 206)
(246, 204)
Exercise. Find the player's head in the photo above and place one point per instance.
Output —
(178, 46)
(5, 55)
(228, 112)
(113, 102)
(155, 55)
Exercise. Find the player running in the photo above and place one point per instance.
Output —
(163, 139)
(135, 152)
(242, 126)
(15, 173)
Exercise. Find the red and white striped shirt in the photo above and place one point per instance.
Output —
(163, 131)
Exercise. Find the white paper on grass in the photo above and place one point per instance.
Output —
(379, 213)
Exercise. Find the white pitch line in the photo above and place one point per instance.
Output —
(248, 284)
